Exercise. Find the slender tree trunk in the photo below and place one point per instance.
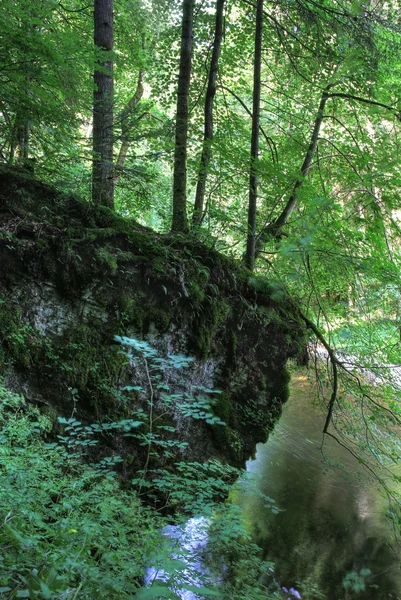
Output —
(20, 139)
(274, 230)
(125, 128)
(21, 131)
(253, 178)
(292, 201)
(208, 131)
(180, 221)
(102, 174)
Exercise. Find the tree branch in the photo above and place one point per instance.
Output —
(125, 142)
(394, 110)
(269, 140)
(334, 363)
(274, 229)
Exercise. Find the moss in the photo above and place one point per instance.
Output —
(135, 312)
(196, 277)
(222, 407)
(96, 242)
(159, 266)
(123, 256)
(21, 343)
(104, 216)
(50, 413)
(132, 312)
(236, 443)
(195, 291)
(159, 318)
(106, 258)
(214, 313)
(85, 359)
(42, 245)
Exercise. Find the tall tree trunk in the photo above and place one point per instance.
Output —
(21, 130)
(253, 178)
(276, 227)
(20, 139)
(208, 131)
(102, 174)
(180, 221)
(125, 128)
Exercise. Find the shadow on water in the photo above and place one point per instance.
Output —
(332, 540)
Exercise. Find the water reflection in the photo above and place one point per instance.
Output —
(332, 541)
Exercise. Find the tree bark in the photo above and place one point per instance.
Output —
(180, 221)
(208, 128)
(125, 128)
(102, 174)
(20, 139)
(292, 201)
(253, 177)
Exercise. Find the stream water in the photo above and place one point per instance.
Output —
(332, 529)
(331, 539)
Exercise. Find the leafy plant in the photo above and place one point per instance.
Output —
(197, 404)
(66, 528)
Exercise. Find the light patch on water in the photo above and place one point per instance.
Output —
(186, 546)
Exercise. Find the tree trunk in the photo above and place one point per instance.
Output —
(19, 139)
(276, 227)
(208, 131)
(125, 128)
(180, 221)
(253, 178)
(102, 174)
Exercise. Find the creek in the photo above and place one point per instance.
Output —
(333, 528)
(330, 539)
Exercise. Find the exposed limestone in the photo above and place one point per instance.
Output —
(73, 276)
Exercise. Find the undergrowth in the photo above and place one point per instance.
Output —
(69, 531)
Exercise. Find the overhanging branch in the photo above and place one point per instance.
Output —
(334, 363)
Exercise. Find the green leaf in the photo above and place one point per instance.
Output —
(156, 591)
(203, 591)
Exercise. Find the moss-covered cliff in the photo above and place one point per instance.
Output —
(73, 276)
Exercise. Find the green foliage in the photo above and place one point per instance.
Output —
(197, 405)
(356, 581)
(66, 527)
(193, 487)
(214, 311)
(339, 252)
(187, 488)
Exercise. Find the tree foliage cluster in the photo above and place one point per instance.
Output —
(274, 129)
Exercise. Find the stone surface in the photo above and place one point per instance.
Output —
(73, 277)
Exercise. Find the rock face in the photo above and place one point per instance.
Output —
(74, 276)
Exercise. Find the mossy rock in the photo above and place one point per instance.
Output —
(214, 312)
